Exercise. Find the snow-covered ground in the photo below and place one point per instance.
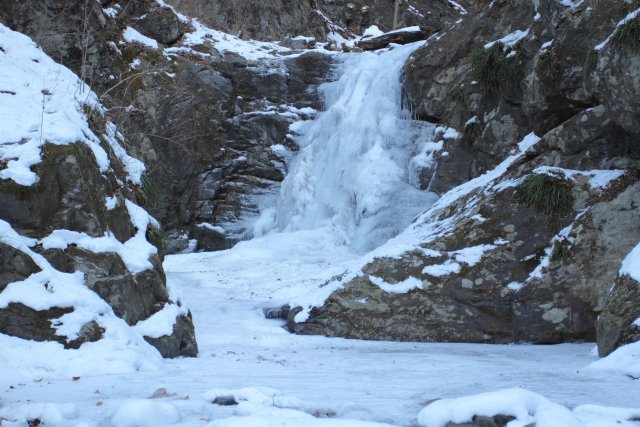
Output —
(280, 378)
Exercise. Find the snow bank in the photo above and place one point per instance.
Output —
(624, 360)
(265, 407)
(145, 413)
(41, 102)
(631, 264)
(526, 406)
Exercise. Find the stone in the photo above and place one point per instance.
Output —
(618, 322)
(280, 313)
(21, 321)
(182, 342)
(484, 421)
(161, 24)
(16, 266)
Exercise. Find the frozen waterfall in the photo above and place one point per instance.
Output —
(353, 173)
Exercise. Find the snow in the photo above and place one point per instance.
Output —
(599, 179)
(510, 40)
(42, 102)
(161, 323)
(145, 413)
(135, 252)
(458, 7)
(631, 16)
(448, 133)
(131, 35)
(372, 31)
(132, 166)
(400, 287)
(438, 270)
(631, 264)
(111, 202)
(571, 3)
(215, 228)
(546, 45)
(624, 360)
(526, 406)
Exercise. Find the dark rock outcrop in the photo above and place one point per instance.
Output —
(274, 20)
(161, 24)
(619, 323)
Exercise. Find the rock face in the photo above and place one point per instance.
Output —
(618, 323)
(82, 193)
(495, 262)
(205, 120)
(70, 196)
(274, 20)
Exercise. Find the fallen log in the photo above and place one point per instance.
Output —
(404, 36)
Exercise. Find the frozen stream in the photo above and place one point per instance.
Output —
(375, 381)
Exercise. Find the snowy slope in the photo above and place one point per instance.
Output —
(42, 102)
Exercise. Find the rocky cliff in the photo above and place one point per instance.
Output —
(78, 258)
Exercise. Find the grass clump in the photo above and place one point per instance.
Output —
(157, 238)
(592, 60)
(546, 193)
(561, 250)
(150, 192)
(472, 131)
(495, 69)
(628, 34)
(549, 65)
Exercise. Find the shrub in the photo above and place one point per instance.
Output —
(471, 132)
(628, 34)
(561, 250)
(495, 70)
(157, 238)
(150, 192)
(592, 60)
(549, 65)
(546, 193)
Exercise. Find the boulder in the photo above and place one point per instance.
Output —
(161, 24)
(182, 342)
(618, 323)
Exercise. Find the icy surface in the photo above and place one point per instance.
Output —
(283, 379)
(351, 172)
